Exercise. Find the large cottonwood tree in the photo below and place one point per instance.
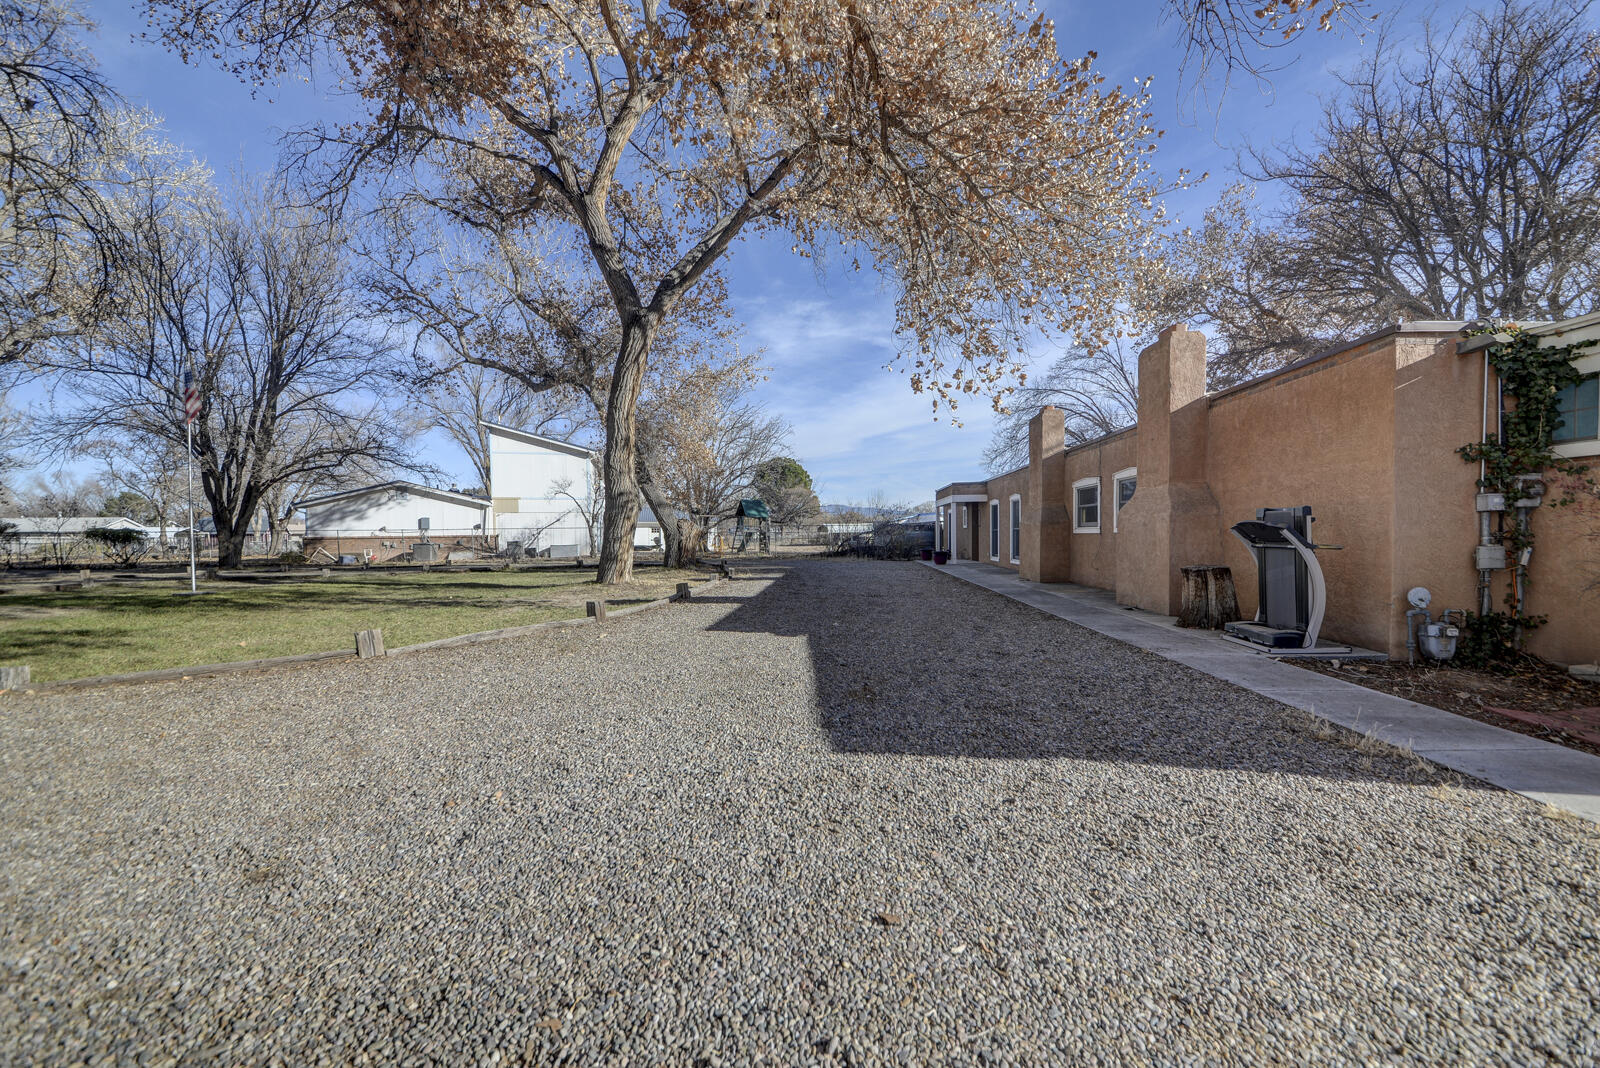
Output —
(996, 185)
(486, 294)
(257, 300)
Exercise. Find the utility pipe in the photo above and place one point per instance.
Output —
(1485, 577)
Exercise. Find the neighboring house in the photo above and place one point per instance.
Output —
(258, 534)
(1365, 434)
(546, 491)
(28, 534)
(647, 532)
(381, 522)
(546, 497)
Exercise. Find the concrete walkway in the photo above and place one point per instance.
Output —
(1543, 771)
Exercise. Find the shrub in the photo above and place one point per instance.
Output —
(124, 547)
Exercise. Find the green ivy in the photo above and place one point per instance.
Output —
(1533, 375)
(1494, 641)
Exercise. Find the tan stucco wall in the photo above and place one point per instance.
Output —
(966, 537)
(1323, 437)
(1438, 407)
(1001, 489)
(1564, 583)
(1093, 557)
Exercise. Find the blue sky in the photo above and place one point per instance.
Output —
(828, 339)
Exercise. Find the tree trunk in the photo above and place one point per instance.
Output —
(666, 519)
(232, 523)
(666, 513)
(230, 544)
(621, 477)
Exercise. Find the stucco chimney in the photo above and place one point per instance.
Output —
(1173, 519)
(1045, 529)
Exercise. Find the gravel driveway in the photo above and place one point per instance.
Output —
(837, 812)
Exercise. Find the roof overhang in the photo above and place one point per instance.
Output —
(395, 487)
(554, 444)
(961, 498)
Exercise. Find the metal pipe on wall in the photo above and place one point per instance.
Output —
(1485, 576)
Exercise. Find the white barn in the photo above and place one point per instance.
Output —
(542, 487)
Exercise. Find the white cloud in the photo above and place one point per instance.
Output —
(858, 427)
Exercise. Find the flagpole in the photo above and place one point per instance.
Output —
(190, 428)
(191, 408)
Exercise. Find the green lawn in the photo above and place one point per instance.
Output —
(110, 630)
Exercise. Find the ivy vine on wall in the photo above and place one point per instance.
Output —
(1532, 375)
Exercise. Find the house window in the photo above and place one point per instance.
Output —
(1579, 408)
(1086, 506)
(1016, 528)
(994, 530)
(1123, 484)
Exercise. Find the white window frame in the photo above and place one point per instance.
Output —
(1116, 493)
(1100, 504)
(1577, 448)
(994, 529)
(1014, 521)
(1586, 363)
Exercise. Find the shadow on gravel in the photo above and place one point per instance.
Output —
(911, 664)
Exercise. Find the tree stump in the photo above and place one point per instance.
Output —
(1209, 599)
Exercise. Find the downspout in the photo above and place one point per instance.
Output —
(1484, 575)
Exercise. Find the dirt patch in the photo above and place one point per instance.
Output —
(1535, 687)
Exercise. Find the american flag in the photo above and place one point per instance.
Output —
(191, 397)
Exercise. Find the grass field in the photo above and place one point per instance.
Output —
(109, 630)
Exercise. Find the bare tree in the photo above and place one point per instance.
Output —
(589, 502)
(1097, 391)
(1247, 36)
(259, 303)
(1459, 179)
(490, 296)
(882, 505)
(11, 431)
(65, 495)
(712, 451)
(152, 467)
(57, 132)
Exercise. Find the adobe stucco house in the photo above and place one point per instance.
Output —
(1365, 434)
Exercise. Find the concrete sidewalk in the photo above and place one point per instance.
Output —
(1540, 770)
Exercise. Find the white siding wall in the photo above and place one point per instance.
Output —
(398, 510)
(530, 473)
